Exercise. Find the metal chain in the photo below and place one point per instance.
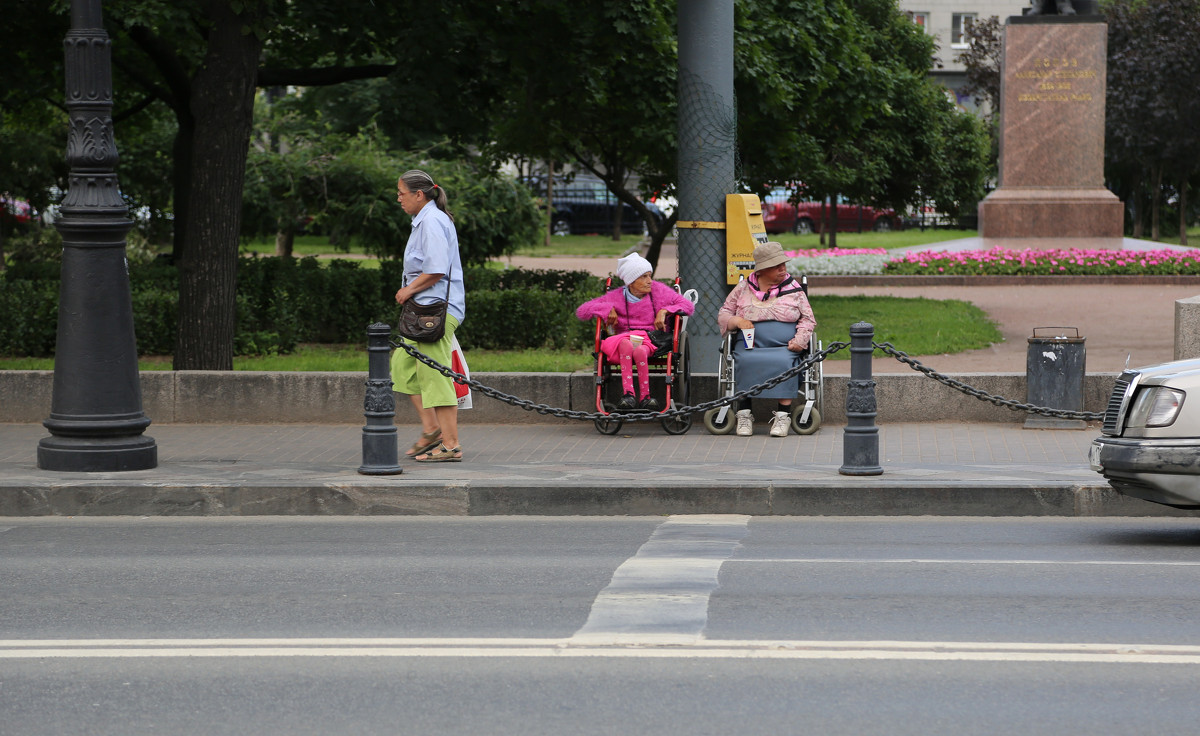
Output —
(643, 416)
(983, 395)
(638, 416)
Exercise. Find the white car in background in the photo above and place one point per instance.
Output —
(1149, 445)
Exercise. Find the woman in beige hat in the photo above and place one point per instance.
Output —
(773, 303)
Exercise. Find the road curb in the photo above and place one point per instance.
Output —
(879, 497)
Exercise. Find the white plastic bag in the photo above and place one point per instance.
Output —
(458, 362)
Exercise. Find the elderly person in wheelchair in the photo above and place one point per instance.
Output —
(773, 306)
(632, 313)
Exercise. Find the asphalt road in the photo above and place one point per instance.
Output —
(679, 625)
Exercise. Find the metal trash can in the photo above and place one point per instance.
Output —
(1054, 371)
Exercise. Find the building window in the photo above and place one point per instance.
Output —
(960, 27)
(920, 18)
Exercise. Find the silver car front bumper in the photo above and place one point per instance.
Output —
(1165, 471)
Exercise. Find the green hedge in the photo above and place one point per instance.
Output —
(30, 323)
(283, 302)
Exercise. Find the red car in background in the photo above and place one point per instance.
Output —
(781, 216)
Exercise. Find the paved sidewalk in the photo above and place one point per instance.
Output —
(938, 469)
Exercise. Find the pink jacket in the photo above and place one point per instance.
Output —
(792, 308)
(637, 315)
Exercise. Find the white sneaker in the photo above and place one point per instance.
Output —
(745, 423)
(780, 423)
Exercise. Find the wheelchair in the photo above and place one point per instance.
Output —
(669, 368)
(806, 408)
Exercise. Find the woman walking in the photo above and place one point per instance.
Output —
(431, 263)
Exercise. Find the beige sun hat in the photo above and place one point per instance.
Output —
(769, 254)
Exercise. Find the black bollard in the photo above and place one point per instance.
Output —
(860, 443)
(381, 453)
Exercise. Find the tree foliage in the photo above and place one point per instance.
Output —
(1153, 144)
(835, 100)
(832, 93)
(300, 176)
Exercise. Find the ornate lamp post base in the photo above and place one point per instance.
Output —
(97, 455)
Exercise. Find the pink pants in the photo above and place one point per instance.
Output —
(627, 354)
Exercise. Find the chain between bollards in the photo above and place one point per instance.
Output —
(860, 443)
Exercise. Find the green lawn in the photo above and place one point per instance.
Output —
(581, 246)
(606, 247)
(916, 326)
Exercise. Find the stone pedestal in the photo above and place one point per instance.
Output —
(1187, 328)
(1052, 134)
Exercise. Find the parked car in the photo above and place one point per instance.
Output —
(1149, 445)
(584, 207)
(781, 216)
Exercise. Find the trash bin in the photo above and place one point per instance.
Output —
(1054, 370)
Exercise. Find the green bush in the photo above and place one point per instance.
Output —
(516, 318)
(30, 323)
(155, 313)
(283, 302)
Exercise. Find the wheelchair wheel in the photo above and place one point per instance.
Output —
(725, 427)
(677, 425)
(681, 391)
(608, 425)
(810, 426)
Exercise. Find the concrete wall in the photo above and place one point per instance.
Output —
(245, 397)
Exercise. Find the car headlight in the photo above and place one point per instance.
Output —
(1155, 406)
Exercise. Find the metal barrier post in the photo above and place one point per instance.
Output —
(381, 453)
(860, 442)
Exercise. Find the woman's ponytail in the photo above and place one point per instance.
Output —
(418, 181)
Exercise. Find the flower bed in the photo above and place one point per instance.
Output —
(997, 262)
(837, 261)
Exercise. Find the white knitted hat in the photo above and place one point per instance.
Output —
(632, 267)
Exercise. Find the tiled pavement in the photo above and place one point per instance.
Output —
(928, 468)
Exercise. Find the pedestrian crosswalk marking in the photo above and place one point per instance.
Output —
(662, 591)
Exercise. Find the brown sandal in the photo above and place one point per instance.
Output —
(441, 455)
(428, 441)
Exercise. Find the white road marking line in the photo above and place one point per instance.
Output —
(933, 561)
(663, 590)
(1031, 652)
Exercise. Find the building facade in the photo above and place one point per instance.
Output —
(948, 21)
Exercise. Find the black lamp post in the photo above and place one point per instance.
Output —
(96, 418)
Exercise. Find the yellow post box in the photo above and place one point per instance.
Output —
(744, 231)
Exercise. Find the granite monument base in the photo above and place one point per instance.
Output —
(1037, 212)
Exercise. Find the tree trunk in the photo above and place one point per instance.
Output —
(1139, 220)
(657, 236)
(182, 183)
(549, 202)
(821, 224)
(833, 223)
(285, 241)
(618, 182)
(1155, 201)
(222, 103)
(1183, 191)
